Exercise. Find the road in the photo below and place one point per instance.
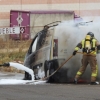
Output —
(48, 91)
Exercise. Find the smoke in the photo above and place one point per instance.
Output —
(74, 33)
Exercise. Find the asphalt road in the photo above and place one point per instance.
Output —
(48, 91)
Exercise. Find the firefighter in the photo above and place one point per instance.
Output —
(89, 46)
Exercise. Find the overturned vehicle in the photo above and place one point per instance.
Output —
(46, 53)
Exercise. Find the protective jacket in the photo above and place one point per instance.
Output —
(92, 50)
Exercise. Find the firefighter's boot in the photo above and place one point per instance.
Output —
(75, 81)
(94, 83)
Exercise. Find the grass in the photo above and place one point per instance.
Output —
(13, 51)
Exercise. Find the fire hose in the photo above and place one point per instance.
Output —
(5, 64)
(45, 78)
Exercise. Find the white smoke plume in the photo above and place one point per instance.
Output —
(74, 33)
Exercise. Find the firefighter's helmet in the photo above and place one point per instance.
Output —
(91, 34)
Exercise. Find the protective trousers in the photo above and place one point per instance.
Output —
(88, 59)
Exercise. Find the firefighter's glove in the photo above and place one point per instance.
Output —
(74, 53)
(6, 64)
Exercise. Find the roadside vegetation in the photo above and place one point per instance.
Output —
(13, 51)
